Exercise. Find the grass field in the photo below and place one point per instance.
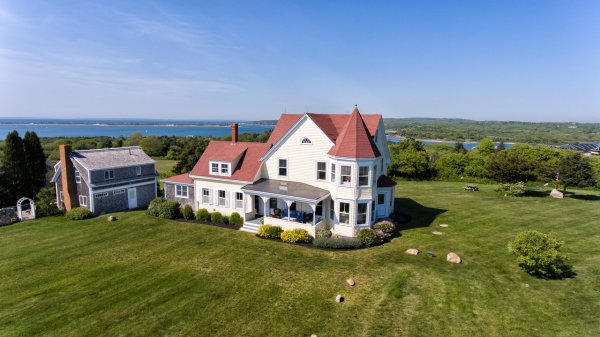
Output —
(165, 168)
(143, 276)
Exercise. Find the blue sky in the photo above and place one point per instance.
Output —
(485, 60)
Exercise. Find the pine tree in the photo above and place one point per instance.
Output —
(501, 146)
(36, 159)
(459, 147)
(576, 170)
(16, 171)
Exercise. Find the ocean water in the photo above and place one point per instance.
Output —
(467, 145)
(115, 128)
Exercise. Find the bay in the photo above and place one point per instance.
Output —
(116, 128)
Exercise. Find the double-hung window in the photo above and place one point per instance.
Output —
(239, 200)
(332, 173)
(363, 176)
(181, 191)
(361, 213)
(225, 169)
(205, 196)
(77, 177)
(222, 198)
(283, 167)
(344, 213)
(321, 170)
(109, 174)
(214, 168)
(346, 175)
(82, 200)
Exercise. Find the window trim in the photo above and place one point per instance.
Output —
(366, 212)
(340, 213)
(220, 166)
(287, 167)
(180, 194)
(236, 200)
(82, 200)
(332, 167)
(110, 174)
(101, 195)
(207, 196)
(321, 171)
(342, 175)
(224, 198)
(363, 176)
(77, 176)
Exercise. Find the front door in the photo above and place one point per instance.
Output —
(132, 198)
(381, 205)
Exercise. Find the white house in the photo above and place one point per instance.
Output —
(316, 170)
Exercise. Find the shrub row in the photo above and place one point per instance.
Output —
(79, 213)
(166, 209)
(216, 217)
(297, 235)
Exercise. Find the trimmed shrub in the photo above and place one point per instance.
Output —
(512, 189)
(337, 242)
(188, 212)
(45, 202)
(296, 235)
(202, 214)
(153, 207)
(323, 233)
(79, 213)
(236, 219)
(368, 237)
(169, 210)
(270, 232)
(226, 219)
(216, 217)
(538, 254)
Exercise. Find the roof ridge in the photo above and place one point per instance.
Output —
(110, 149)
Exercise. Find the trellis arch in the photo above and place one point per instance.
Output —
(27, 214)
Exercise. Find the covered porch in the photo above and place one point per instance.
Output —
(287, 204)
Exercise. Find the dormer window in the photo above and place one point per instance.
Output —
(305, 141)
(109, 174)
(220, 168)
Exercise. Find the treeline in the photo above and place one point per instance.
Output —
(469, 130)
(519, 163)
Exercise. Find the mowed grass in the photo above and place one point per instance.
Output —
(165, 169)
(144, 276)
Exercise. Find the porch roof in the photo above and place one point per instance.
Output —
(282, 188)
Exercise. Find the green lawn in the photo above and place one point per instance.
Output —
(165, 168)
(143, 276)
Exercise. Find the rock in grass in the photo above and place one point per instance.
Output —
(437, 233)
(453, 258)
(412, 251)
(112, 218)
(339, 298)
(313, 335)
(350, 282)
(556, 194)
(444, 225)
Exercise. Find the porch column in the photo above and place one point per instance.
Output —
(314, 209)
(265, 210)
(288, 203)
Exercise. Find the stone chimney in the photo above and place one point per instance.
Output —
(234, 133)
(69, 191)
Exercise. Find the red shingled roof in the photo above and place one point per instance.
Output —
(354, 140)
(331, 124)
(247, 167)
(180, 179)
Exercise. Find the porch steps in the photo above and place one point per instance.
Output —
(250, 227)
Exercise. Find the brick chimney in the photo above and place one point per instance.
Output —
(69, 192)
(234, 133)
